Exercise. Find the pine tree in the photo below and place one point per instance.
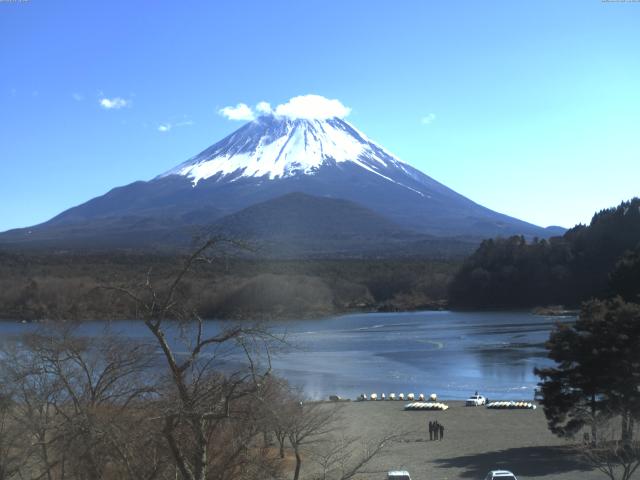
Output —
(597, 372)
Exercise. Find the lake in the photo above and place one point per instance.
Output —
(452, 354)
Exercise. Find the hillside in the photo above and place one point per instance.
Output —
(601, 259)
(298, 225)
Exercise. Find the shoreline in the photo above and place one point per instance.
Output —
(442, 306)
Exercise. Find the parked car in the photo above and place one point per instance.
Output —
(500, 475)
(476, 400)
(398, 475)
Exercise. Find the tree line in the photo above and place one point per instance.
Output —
(600, 260)
(68, 286)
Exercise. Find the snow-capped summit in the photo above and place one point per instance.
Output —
(277, 147)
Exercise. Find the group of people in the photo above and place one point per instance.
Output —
(436, 430)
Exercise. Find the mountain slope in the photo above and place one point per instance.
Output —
(299, 215)
(265, 159)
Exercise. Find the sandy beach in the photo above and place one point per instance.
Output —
(476, 440)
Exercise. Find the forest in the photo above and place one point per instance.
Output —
(598, 260)
(80, 286)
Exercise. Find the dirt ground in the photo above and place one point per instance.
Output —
(476, 440)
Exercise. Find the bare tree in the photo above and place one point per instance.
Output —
(612, 452)
(34, 394)
(78, 401)
(308, 425)
(99, 380)
(201, 405)
(15, 449)
(277, 401)
(344, 457)
(313, 430)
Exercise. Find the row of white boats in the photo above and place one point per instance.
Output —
(392, 396)
(511, 405)
(419, 402)
(426, 406)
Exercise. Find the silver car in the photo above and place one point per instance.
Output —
(398, 475)
(500, 475)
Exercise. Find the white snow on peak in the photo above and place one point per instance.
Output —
(275, 147)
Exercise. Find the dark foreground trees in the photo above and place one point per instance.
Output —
(81, 407)
(205, 407)
(194, 401)
(596, 383)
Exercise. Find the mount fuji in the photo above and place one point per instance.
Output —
(304, 185)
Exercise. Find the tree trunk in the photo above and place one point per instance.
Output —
(296, 474)
(45, 453)
(181, 462)
(594, 421)
(201, 445)
(625, 427)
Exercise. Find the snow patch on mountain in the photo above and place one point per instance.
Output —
(275, 146)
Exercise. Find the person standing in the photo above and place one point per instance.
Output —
(441, 431)
(436, 430)
(430, 430)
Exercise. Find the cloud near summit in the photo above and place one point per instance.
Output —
(312, 107)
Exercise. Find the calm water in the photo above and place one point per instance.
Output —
(452, 354)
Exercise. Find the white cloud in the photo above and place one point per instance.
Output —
(240, 112)
(312, 107)
(428, 119)
(114, 103)
(264, 107)
(165, 127)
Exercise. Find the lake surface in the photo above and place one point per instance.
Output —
(452, 354)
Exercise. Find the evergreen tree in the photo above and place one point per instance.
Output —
(625, 279)
(515, 273)
(597, 372)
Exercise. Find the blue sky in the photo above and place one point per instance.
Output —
(530, 108)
